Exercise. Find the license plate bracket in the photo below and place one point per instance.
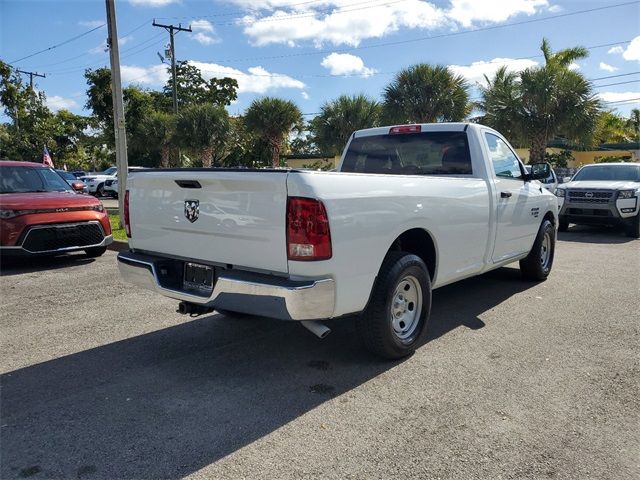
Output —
(198, 277)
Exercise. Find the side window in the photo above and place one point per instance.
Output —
(505, 162)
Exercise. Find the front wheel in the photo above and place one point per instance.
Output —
(633, 230)
(100, 190)
(537, 265)
(394, 323)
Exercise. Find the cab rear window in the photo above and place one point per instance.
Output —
(424, 153)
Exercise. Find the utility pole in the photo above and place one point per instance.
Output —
(31, 75)
(118, 107)
(171, 29)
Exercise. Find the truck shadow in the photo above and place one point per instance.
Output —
(170, 402)
(19, 265)
(594, 234)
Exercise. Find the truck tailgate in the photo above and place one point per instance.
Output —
(240, 216)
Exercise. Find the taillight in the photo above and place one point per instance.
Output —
(406, 129)
(127, 225)
(308, 235)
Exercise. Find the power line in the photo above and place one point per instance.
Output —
(617, 83)
(615, 76)
(628, 100)
(58, 44)
(432, 37)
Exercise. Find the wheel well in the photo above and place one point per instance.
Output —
(418, 242)
(549, 216)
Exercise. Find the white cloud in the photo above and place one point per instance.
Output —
(91, 23)
(343, 22)
(468, 12)
(607, 68)
(477, 70)
(615, 50)
(154, 75)
(203, 32)
(152, 3)
(345, 64)
(619, 97)
(254, 80)
(573, 66)
(56, 102)
(305, 95)
(555, 8)
(633, 50)
(348, 25)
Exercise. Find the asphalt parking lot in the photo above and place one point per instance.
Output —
(518, 380)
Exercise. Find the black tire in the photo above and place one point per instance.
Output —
(563, 224)
(100, 190)
(537, 265)
(375, 326)
(95, 251)
(633, 229)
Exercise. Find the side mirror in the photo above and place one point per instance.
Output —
(539, 171)
(77, 186)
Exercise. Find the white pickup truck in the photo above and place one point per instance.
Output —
(411, 208)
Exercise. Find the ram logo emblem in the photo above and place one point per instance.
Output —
(192, 210)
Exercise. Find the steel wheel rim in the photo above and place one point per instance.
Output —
(545, 250)
(406, 307)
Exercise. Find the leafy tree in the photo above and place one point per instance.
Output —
(272, 119)
(612, 128)
(544, 102)
(203, 128)
(559, 160)
(634, 124)
(426, 93)
(339, 118)
(156, 131)
(194, 89)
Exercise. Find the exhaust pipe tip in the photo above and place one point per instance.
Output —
(187, 308)
(319, 329)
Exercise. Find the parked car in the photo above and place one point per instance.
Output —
(79, 173)
(412, 208)
(74, 182)
(95, 181)
(550, 183)
(41, 215)
(602, 194)
(110, 188)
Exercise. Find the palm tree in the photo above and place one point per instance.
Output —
(612, 128)
(203, 127)
(272, 119)
(500, 99)
(426, 93)
(339, 118)
(544, 102)
(157, 129)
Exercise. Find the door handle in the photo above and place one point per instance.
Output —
(505, 194)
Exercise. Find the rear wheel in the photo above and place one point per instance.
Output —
(537, 265)
(394, 323)
(100, 190)
(95, 251)
(563, 224)
(633, 230)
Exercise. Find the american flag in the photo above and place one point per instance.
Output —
(46, 158)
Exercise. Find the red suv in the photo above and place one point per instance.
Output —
(41, 214)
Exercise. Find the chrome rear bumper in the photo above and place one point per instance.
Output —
(239, 291)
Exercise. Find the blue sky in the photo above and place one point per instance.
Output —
(311, 51)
